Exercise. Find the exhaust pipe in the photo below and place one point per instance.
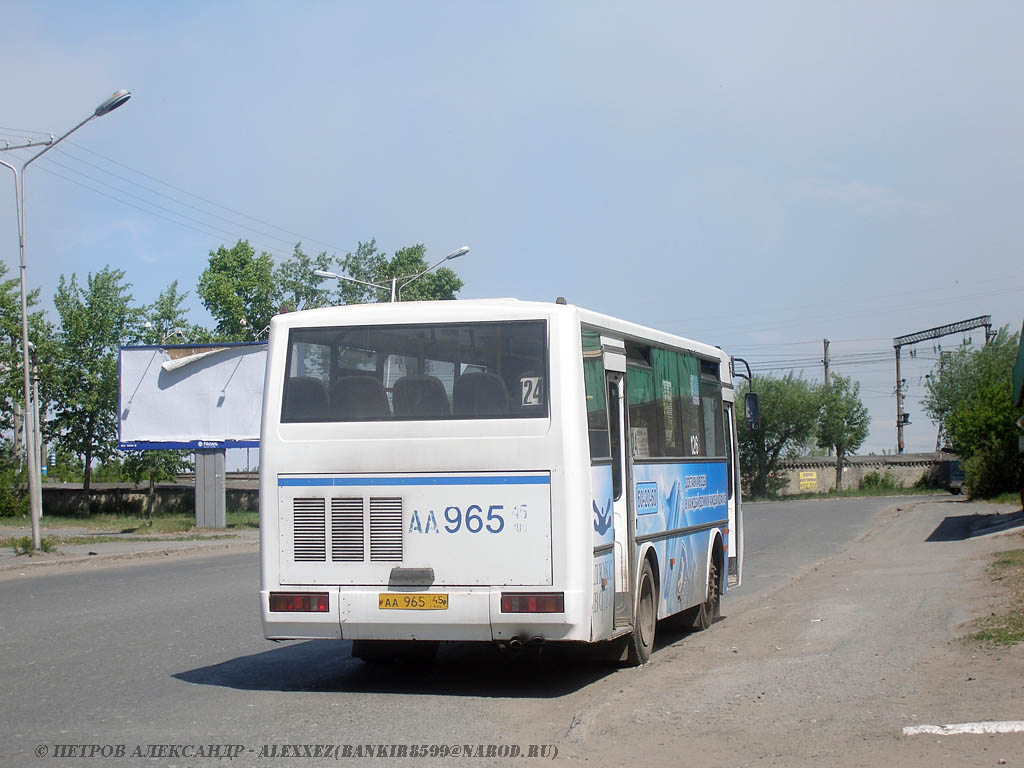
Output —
(538, 640)
(515, 644)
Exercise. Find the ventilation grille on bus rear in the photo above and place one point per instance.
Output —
(310, 530)
(347, 529)
(386, 528)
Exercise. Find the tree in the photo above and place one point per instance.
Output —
(366, 264)
(238, 289)
(93, 323)
(970, 394)
(298, 286)
(13, 483)
(40, 334)
(789, 414)
(370, 265)
(155, 466)
(844, 420)
(165, 321)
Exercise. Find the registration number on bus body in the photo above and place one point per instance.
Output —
(401, 601)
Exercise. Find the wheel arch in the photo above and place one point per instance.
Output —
(647, 554)
(716, 554)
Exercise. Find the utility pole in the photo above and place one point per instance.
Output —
(899, 405)
(983, 321)
(825, 361)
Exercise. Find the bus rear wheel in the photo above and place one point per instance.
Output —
(641, 641)
(711, 608)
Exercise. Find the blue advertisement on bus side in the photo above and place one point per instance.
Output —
(683, 502)
(676, 506)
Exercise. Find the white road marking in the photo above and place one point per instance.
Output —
(993, 726)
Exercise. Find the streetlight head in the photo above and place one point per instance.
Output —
(323, 273)
(461, 252)
(116, 100)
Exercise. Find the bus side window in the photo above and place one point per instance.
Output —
(616, 439)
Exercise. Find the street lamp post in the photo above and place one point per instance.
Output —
(396, 292)
(453, 255)
(35, 492)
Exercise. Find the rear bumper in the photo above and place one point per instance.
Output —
(473, 614)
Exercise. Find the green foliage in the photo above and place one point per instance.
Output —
(789, 413)
(843, 421)
(991, 470)
(66, 469)
(12, 384)
(23, 546)
(13, 486)
(970, 394)
(156, 466)
(165, 321)
(238, 289)
(1007, 628)
(298, 286)
(874, 481)
(40, 334)
(109, 471)
(244, 291)
(95, 320)
(407, 265)
(932, 479)
(366, 264)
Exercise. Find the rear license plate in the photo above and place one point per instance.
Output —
(406, 602)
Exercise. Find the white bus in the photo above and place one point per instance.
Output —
(493, 470)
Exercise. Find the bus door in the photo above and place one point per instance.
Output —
(734, 541)
(616, 382)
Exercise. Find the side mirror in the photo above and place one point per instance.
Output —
(752, 411)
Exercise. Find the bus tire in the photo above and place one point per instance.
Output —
(641, 640)
(711, 608)
(386, 651)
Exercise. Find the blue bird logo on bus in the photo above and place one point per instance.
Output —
(602, 519)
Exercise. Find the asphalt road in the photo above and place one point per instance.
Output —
(171, 653)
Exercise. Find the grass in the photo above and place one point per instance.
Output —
(133, 524)
(1004, 629)
(23, 545)
(108, 528)
(1010, 497)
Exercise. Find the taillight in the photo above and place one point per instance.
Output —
(532, 602)
(305, 602)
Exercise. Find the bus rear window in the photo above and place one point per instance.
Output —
(417, 372)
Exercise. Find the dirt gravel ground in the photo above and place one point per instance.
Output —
(825, 670)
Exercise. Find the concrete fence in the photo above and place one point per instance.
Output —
(817, 474)
(242, 495)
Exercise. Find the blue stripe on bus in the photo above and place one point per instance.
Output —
(363, 481)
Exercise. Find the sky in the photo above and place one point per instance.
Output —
(752, 175)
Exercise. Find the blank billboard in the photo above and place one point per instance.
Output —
(207, 396)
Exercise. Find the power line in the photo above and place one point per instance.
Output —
(301, 237)
(161, 194)
(71, 155)
(144, 200)
(130, 205)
